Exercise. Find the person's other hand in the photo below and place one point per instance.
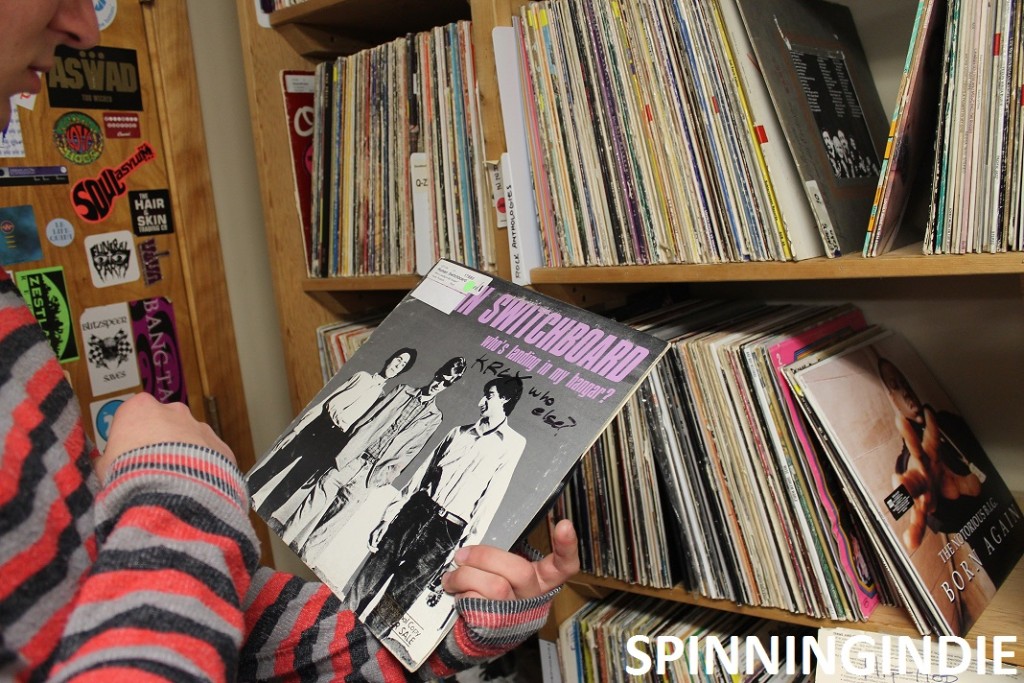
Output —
(144, 421)
(487, 572)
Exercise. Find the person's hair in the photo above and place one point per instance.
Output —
(893, 378)
(412, 359)
(509, 388)
(454, 366)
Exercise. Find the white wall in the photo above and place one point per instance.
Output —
(226, 120)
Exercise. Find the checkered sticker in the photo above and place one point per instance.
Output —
(110, 349)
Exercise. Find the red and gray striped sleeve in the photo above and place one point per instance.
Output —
(297, 631)
(163, 600)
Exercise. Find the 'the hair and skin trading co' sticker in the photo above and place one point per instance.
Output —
(103, 414)
(78, 138)
(151, 212)
(107, 335)
(60, 232)
(102, 77)
(151, 271)
(93, 198)
(111, 258)
(156, 342)
(19, 235)
(46, 294)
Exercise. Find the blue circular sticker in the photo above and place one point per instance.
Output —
(106, 10)
(60, 232)
(105, 415)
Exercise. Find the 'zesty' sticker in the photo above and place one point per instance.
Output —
(47, 295)
(156, 342)
(93, 198)
(107, 335)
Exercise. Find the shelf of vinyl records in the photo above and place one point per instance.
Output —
(320, 28)
(904, 262)
(1001, 617)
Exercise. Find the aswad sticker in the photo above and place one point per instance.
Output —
(46, 294)
(103, 415)
(156, 342)
(110, 350)
(78, 138)
(98, 78)
(150, 256)
(19, 235)
(111, 258)
(151, 212)
(106, 10)
(93, 198)
(60, 232)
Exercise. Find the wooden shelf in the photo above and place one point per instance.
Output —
(368, 283)
(905, 262)
(356, 295)
(317, 29)
(1001, 617)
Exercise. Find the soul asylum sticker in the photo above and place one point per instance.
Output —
(93, 198)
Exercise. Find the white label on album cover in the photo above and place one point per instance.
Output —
(447, 284)
(107, 335)
(422, 218)
(828, 232)
(299, 83)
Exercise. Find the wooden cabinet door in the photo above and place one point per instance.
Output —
(107, 222)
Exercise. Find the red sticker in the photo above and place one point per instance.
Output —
(122, 125)
(93, 198)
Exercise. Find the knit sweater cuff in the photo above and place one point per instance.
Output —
(181, 469)
(491, 627)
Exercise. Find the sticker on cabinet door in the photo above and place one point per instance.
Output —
(12, 144)
(103, 415)
(111, 258)
(151, 212)
(151, 271)
(14, 176)
(106, 10)
(60, 232)
(19, 235)
(159, 354)
(46, 294)
(107, 334)
(94, 198)
(78, 138)
(121, 125)
(101, 77)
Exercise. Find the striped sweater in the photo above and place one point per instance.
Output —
(155, 576)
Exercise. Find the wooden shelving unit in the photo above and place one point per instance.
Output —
(319, 28)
